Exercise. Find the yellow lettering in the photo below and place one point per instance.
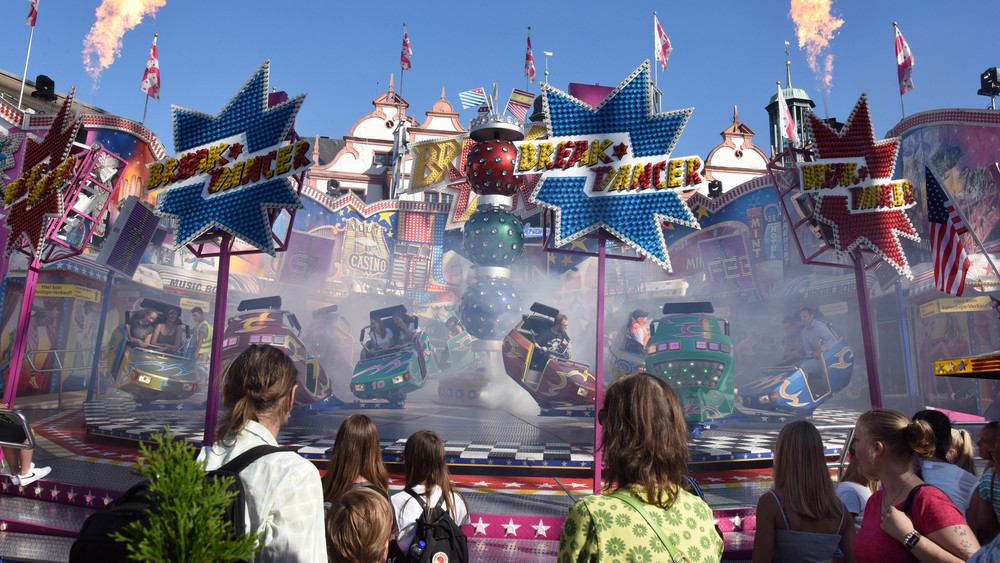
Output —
(850, 175)
(597, 153)
(675, 171)
(624, 178)
(545, 151)
(281, 165)
(528, 158)
(897, 195)
(869, 197)
(155, 176)
(169, 168)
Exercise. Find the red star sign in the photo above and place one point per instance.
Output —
(30, 212)
(876, 228)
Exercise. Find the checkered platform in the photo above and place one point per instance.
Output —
(724, 442)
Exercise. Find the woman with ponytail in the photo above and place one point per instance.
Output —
(283, 492)
(907, 520)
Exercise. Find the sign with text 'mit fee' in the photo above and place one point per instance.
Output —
(609, 167)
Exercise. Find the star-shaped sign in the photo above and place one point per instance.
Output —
(510, 528)
(852, 185)
(37, 195)
(540, 528)
(480, 527)
(231, 170)
(610, 166)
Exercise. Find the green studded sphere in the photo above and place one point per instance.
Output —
(493, 237)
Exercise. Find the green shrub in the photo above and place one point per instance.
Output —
(187, 523)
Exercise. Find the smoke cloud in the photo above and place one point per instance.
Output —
(815, 27)
(103, 43)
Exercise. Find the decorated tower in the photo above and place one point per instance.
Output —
(492, 237)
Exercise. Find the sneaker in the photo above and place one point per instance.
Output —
(34, 475)
(16, 480)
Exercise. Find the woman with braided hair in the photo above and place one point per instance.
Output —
(283, 491)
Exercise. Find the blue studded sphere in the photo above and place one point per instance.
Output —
(493, 237)
(490, 308)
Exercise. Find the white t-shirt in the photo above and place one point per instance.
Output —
(407, 511)
(953, 481)
(854, 496)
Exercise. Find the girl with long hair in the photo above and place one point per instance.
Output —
(283, 492)
(426, 476)
(907, 520)
(853, 488)
(355, 460)
(647, 516)
(961, 453)
(167, 332)
(802, 519)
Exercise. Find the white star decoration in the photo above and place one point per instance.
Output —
(513, 485)
(540, 529)
(480, 484)
(510, 528)
(480, 527)
(546, 486)
(737, 522)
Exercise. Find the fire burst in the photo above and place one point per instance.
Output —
(815, 27)
(104, 41)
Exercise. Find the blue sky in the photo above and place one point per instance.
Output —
(341, 54)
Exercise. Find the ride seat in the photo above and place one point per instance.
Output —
(819, 383)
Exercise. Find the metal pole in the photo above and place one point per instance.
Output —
(867, 335)
(91, 384)
(599, 368)
(904, 337)
(144, 108)
(218, 331)
(21, 336)
(24, 75)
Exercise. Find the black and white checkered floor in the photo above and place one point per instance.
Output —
(473, 436)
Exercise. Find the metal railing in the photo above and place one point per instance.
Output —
(61, 358)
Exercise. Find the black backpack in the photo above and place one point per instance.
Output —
(95, 543)
(443, 540)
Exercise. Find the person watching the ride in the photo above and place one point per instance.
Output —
(816, 336)
(791, 343)
(167, 332)
(355, 460)
(638, 332)
(554, 340)
(953, 481)
(406, 328)
(380, 337)
(23, 471)
(140, 327)
(359, 527)
(283, 491)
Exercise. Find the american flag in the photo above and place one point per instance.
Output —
(151, 78)
(663, 46)
(904, 63)
(407, 52)
(33, 13)
(951, 262)
(529, 63)
(519, 103)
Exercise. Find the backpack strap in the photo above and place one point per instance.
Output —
(240, 462)
(911, 496)
(637, 505)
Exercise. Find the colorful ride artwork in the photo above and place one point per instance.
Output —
(389, 370)
(800, 387)
(149, 373)
(554, 382)
(690, 348)
(262, 321)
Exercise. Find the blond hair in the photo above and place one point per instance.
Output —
(902, 438)
(961, 444)
(801, 474)
(358, 527)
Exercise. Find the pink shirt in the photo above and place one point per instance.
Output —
(931, 511)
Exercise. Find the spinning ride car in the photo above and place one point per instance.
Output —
(553, 382)
(263, 322)
(690, 348)
(146, 371)
(391, 369)
(800, 387)
(328, 339)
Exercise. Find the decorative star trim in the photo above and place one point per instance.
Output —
(242, 212)
(8, 148)
(480, 527)
(510, 528)
(877, 230)
(634, 217)
(540, 529)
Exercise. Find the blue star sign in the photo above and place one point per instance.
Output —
(609, 166)
(231, 170)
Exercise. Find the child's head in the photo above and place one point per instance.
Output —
(355, 453)
(801, 473)
(424, 458)
(358, 526)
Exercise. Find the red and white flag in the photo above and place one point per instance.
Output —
(529, 63)
(33, 13)
(407, 52)
(951, 262)
(785, 121)
(151, 78)
(663, 46)
(904, 63)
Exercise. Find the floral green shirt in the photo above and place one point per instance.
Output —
(605, 529)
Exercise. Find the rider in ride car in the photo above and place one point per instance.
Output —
(554, 340)
(141, 327)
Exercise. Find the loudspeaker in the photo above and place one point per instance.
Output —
(714, 189)
(128, 239)
(45, 88)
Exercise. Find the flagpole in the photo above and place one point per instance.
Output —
(968, 225)
(24, 75)
(527, 79)
(144, 108)
(901, 106)
(655, 31)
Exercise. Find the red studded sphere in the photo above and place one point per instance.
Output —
(490, 168)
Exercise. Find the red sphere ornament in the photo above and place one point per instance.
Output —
(490, 168)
